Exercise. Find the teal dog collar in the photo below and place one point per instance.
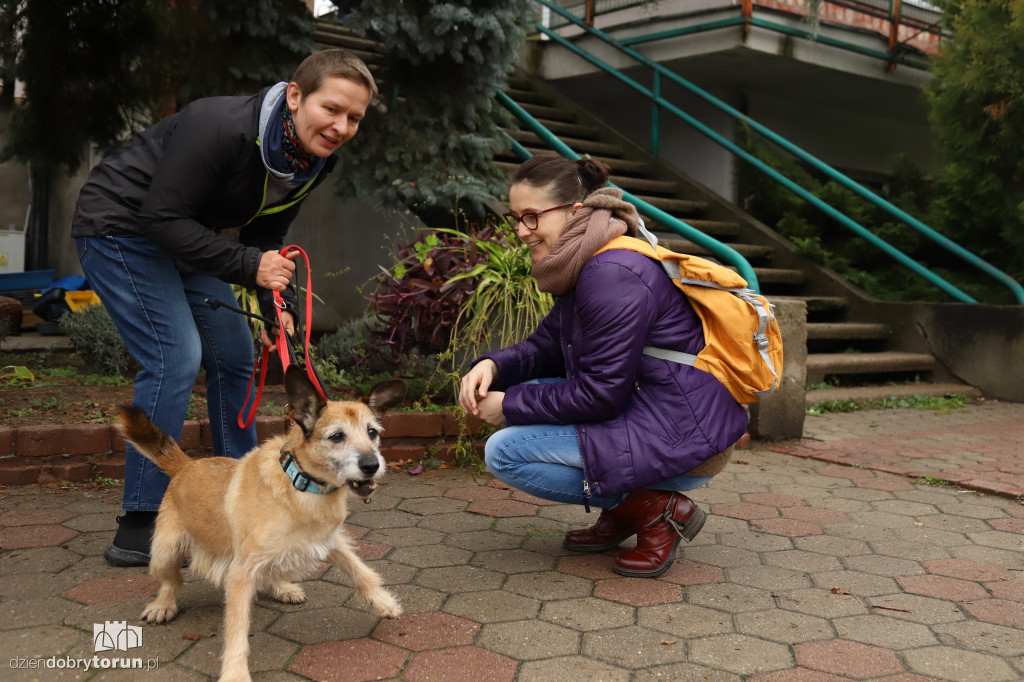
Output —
(301, 480)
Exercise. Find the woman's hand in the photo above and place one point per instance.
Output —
(289, 327)
(275, 270)
(490, 410)
(475, 384)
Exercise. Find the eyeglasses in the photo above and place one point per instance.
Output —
(530, 219)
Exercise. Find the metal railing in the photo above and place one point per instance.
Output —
(660, 103)
(723, 251)
(907, 27)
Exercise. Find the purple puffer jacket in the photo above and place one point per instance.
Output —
(640, 420)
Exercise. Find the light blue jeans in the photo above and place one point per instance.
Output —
(171, 332)
(544, 460)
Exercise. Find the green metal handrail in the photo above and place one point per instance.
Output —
(856, 187)
(723, 251)
(772, 26)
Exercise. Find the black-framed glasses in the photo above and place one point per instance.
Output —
(530, 219)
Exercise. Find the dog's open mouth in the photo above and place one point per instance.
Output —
(362, 488)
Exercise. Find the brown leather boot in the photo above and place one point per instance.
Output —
(661, 519)
(609, 531)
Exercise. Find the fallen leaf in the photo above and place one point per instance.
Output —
(668, 641)
(191, 637)
(839, 590)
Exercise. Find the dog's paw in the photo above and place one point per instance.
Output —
(384, 604)
(288, 593)
(159, 613)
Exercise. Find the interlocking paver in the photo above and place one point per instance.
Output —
(491, 606)
(982, 637)
(549, 585)
(352, 660)
(529, 640)
(638, 591)
(740, 654)
(942, 587)
(460, 664)
(422, 631)
(587, 614)
(452, 579)
(570, 668)
(948, 663)
(785, 628)
(884, 632)
(998, 611)
(852, 659)
(633, 647)
(812, 557)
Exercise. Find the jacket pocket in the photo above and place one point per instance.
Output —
(658, 415)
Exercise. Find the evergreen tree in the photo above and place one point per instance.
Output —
(977, 100)
(96, 70)
(433, 147)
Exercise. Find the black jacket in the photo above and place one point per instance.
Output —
(187, 177)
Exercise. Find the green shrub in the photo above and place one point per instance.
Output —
(96, 339)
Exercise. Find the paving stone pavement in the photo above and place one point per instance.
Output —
(808, 569)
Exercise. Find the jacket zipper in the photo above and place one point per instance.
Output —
(586, 478)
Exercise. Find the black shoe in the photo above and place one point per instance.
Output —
(132, 541)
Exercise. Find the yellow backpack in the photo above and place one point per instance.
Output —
(742, 342)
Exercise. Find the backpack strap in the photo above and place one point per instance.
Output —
(671, 355)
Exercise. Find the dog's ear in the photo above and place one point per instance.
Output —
(386, 394)
(304, 402)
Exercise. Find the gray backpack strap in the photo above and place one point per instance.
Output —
(671, 355)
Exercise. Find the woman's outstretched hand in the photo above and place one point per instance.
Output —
(475, 384)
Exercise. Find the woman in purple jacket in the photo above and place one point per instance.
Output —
(589, 416)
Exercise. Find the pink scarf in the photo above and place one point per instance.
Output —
(603, 217)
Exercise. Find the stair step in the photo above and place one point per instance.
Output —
(675, 206)
(821, 364)
(817, 304)
(713, 228)
(563, 128)
(529, 139)
(846, 330)
(863, 394)
(778, 276)
(748, 251)
(340, 36)
(545, 113)
(644, 185)
(532, 96)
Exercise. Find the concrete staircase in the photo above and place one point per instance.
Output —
(848, 349)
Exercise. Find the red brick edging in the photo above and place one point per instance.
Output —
(76, 452)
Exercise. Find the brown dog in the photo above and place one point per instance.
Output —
(261, 522)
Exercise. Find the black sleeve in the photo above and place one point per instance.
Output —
(197, 158)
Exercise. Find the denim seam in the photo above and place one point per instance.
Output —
(146, 463)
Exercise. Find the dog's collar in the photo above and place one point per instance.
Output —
(300, 479)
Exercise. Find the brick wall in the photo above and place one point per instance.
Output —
(76, 452)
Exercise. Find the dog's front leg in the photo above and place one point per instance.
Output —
(364, 579)
(240, 588)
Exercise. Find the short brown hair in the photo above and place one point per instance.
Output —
(332, 62)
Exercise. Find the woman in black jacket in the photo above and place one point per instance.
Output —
(147, 231)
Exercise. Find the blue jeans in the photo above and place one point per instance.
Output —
(171, 332)
(544, 460)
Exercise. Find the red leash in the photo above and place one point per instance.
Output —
(284, 350)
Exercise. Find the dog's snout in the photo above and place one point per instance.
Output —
(369, 465)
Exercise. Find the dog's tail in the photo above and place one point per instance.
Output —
(147, 437)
